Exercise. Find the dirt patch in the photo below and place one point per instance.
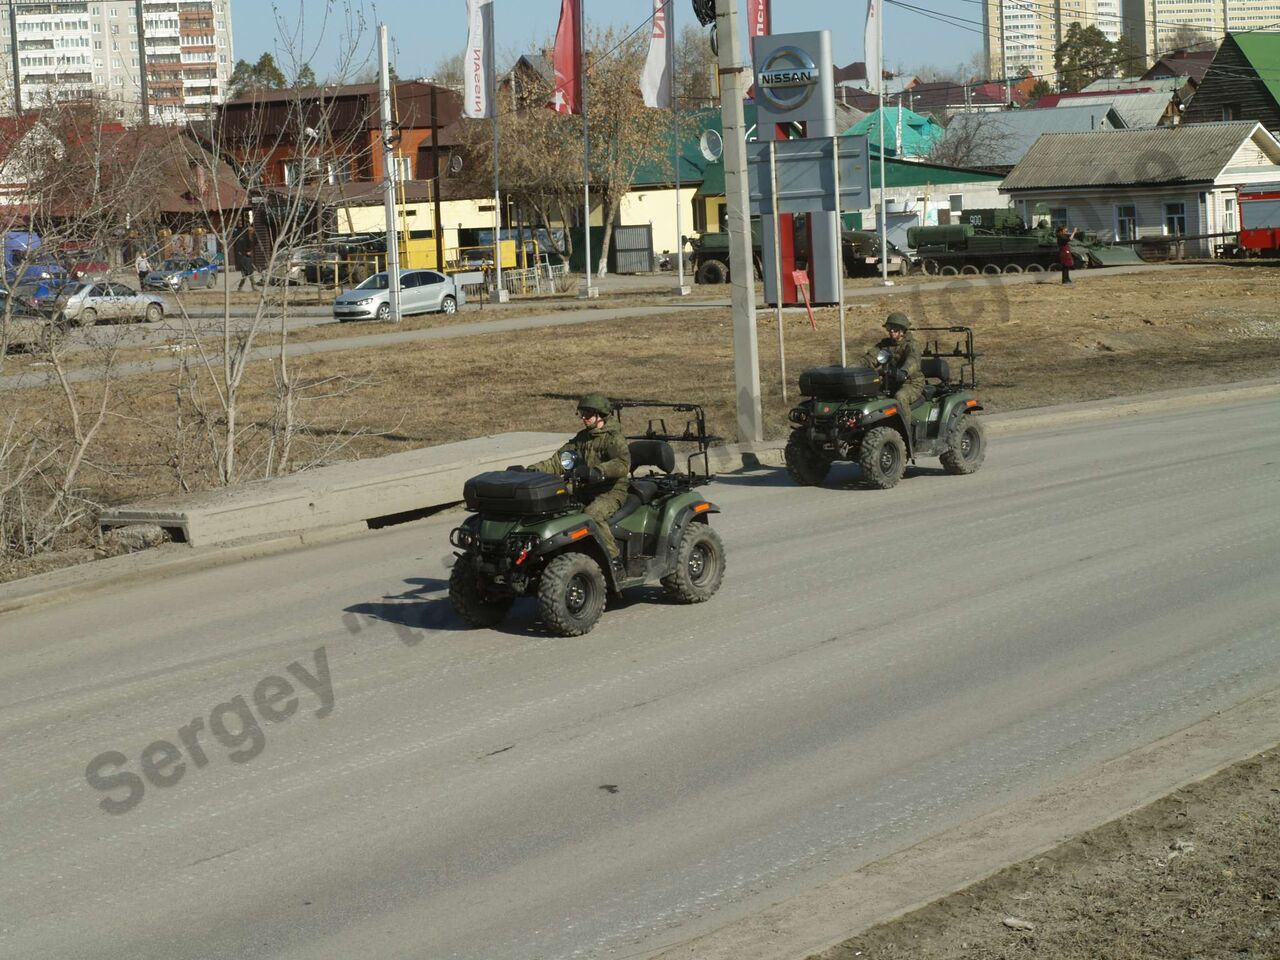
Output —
(1041, 344)
(1194, 875)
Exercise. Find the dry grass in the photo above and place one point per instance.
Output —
(1042, 344)
(1196, 874)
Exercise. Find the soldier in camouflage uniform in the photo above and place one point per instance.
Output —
(906, 357)
(604, 466)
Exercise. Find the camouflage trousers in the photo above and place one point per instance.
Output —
(600, 510)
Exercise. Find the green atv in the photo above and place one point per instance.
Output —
(527, 535)
(850, 414)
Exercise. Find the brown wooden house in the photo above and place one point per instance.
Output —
(1242, 83)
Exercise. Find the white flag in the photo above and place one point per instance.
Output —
(871, 47)
(477, 66)
(655, 82)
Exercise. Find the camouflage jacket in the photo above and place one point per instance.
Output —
(906, 357)
(605, 448)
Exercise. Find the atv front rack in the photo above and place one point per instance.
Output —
(695, 429)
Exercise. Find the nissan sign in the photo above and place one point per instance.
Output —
(788, 79)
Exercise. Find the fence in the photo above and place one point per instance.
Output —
(544, 278)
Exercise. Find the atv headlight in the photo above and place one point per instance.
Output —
(798, 415)
(462, 538)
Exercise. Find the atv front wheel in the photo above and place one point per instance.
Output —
(571, 594)
(805, 467)
(966, 446)
(466, 593)
(883, 457)
(699, 565)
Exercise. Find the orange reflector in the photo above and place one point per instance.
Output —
(560, 491)
(971, 403)
(578, 534)
(891, 411)
(701, 507)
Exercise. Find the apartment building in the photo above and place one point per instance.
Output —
(1153, 24)
(59, 50)
(1022, 34)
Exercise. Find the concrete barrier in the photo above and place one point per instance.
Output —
(364, 492)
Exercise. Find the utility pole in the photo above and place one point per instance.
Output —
(388, 132)
(142, 66)
(437, 229)
(746, 350)
(1004, 53)
(13, 57)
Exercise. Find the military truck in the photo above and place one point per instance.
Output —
(993, 241)
(861, 251)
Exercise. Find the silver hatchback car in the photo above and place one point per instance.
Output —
(84, 304)
(421, 291)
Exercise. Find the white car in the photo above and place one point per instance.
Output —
(421, 291)
(84, 304)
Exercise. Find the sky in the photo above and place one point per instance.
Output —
(423, 32)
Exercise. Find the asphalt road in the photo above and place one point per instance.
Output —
(878, 667)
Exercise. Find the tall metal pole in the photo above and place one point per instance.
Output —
(13, 56)
(835, 162)
(777, 264)
(437, 228)
(142, 67)
(388, 173)
(1004, 55)
(746, 351)
(884, 204)
(500, 294)
(588, 293)
(681, 289)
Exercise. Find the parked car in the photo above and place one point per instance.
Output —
(38, 296)
(84, 304)
(182, 273)
(421, 291)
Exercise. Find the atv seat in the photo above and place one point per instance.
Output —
(935, 368)
(652, 453)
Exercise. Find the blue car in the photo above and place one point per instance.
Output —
(183, 273)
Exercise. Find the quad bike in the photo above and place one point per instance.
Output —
(528, 535)
(850, 414)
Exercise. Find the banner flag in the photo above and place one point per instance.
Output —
(871, 48)
(566, 61)
(478, 100)
(655, 81)
(759, 19)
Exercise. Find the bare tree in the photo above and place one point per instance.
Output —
(977, 139)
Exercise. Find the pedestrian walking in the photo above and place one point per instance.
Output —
(244, 263)
(143, 266)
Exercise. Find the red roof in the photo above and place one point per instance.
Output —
(13, 129)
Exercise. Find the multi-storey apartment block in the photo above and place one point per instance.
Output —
(1154, 24)
(1021, 35)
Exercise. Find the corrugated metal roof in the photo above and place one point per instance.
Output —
(1191, 153)
(1002, 139)
(1135, 109)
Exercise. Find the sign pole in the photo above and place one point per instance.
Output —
(670, 26)
(746, 349)
(835, 164)
(777, 264)
(589, 293)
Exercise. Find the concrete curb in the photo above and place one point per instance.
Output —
(173, 559)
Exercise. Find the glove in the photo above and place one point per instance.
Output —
(517, 468)
(584, 474)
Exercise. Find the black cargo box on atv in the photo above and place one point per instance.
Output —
(839, 383)
(512, 493)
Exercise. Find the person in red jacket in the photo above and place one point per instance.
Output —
(1066, 258)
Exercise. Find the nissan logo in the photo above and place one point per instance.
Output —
(788, 79)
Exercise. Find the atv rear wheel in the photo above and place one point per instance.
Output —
(883, 457)
(466, 593)
(966, 446)
(699, 565)
(712, 271)
(571, 594)
(805, 467)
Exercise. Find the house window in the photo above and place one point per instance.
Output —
(404, 168)
(1175, 219)
(1229, 215)
(1231, 111)
(1126, 222)
(956, 202)
(1057, 217)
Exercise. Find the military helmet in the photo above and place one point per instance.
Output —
(596, 402)
(898, 320)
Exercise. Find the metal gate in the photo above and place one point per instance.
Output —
(633, 247)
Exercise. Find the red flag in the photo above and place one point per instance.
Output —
(566, 96)
(759, 20)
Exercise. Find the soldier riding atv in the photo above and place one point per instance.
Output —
(851, 414)
(528, 533)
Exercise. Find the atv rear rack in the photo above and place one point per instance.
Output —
(966, 352)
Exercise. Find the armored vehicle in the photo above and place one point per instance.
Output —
(993, 241)
(860, 248)
(849, 413)
(527, 534)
